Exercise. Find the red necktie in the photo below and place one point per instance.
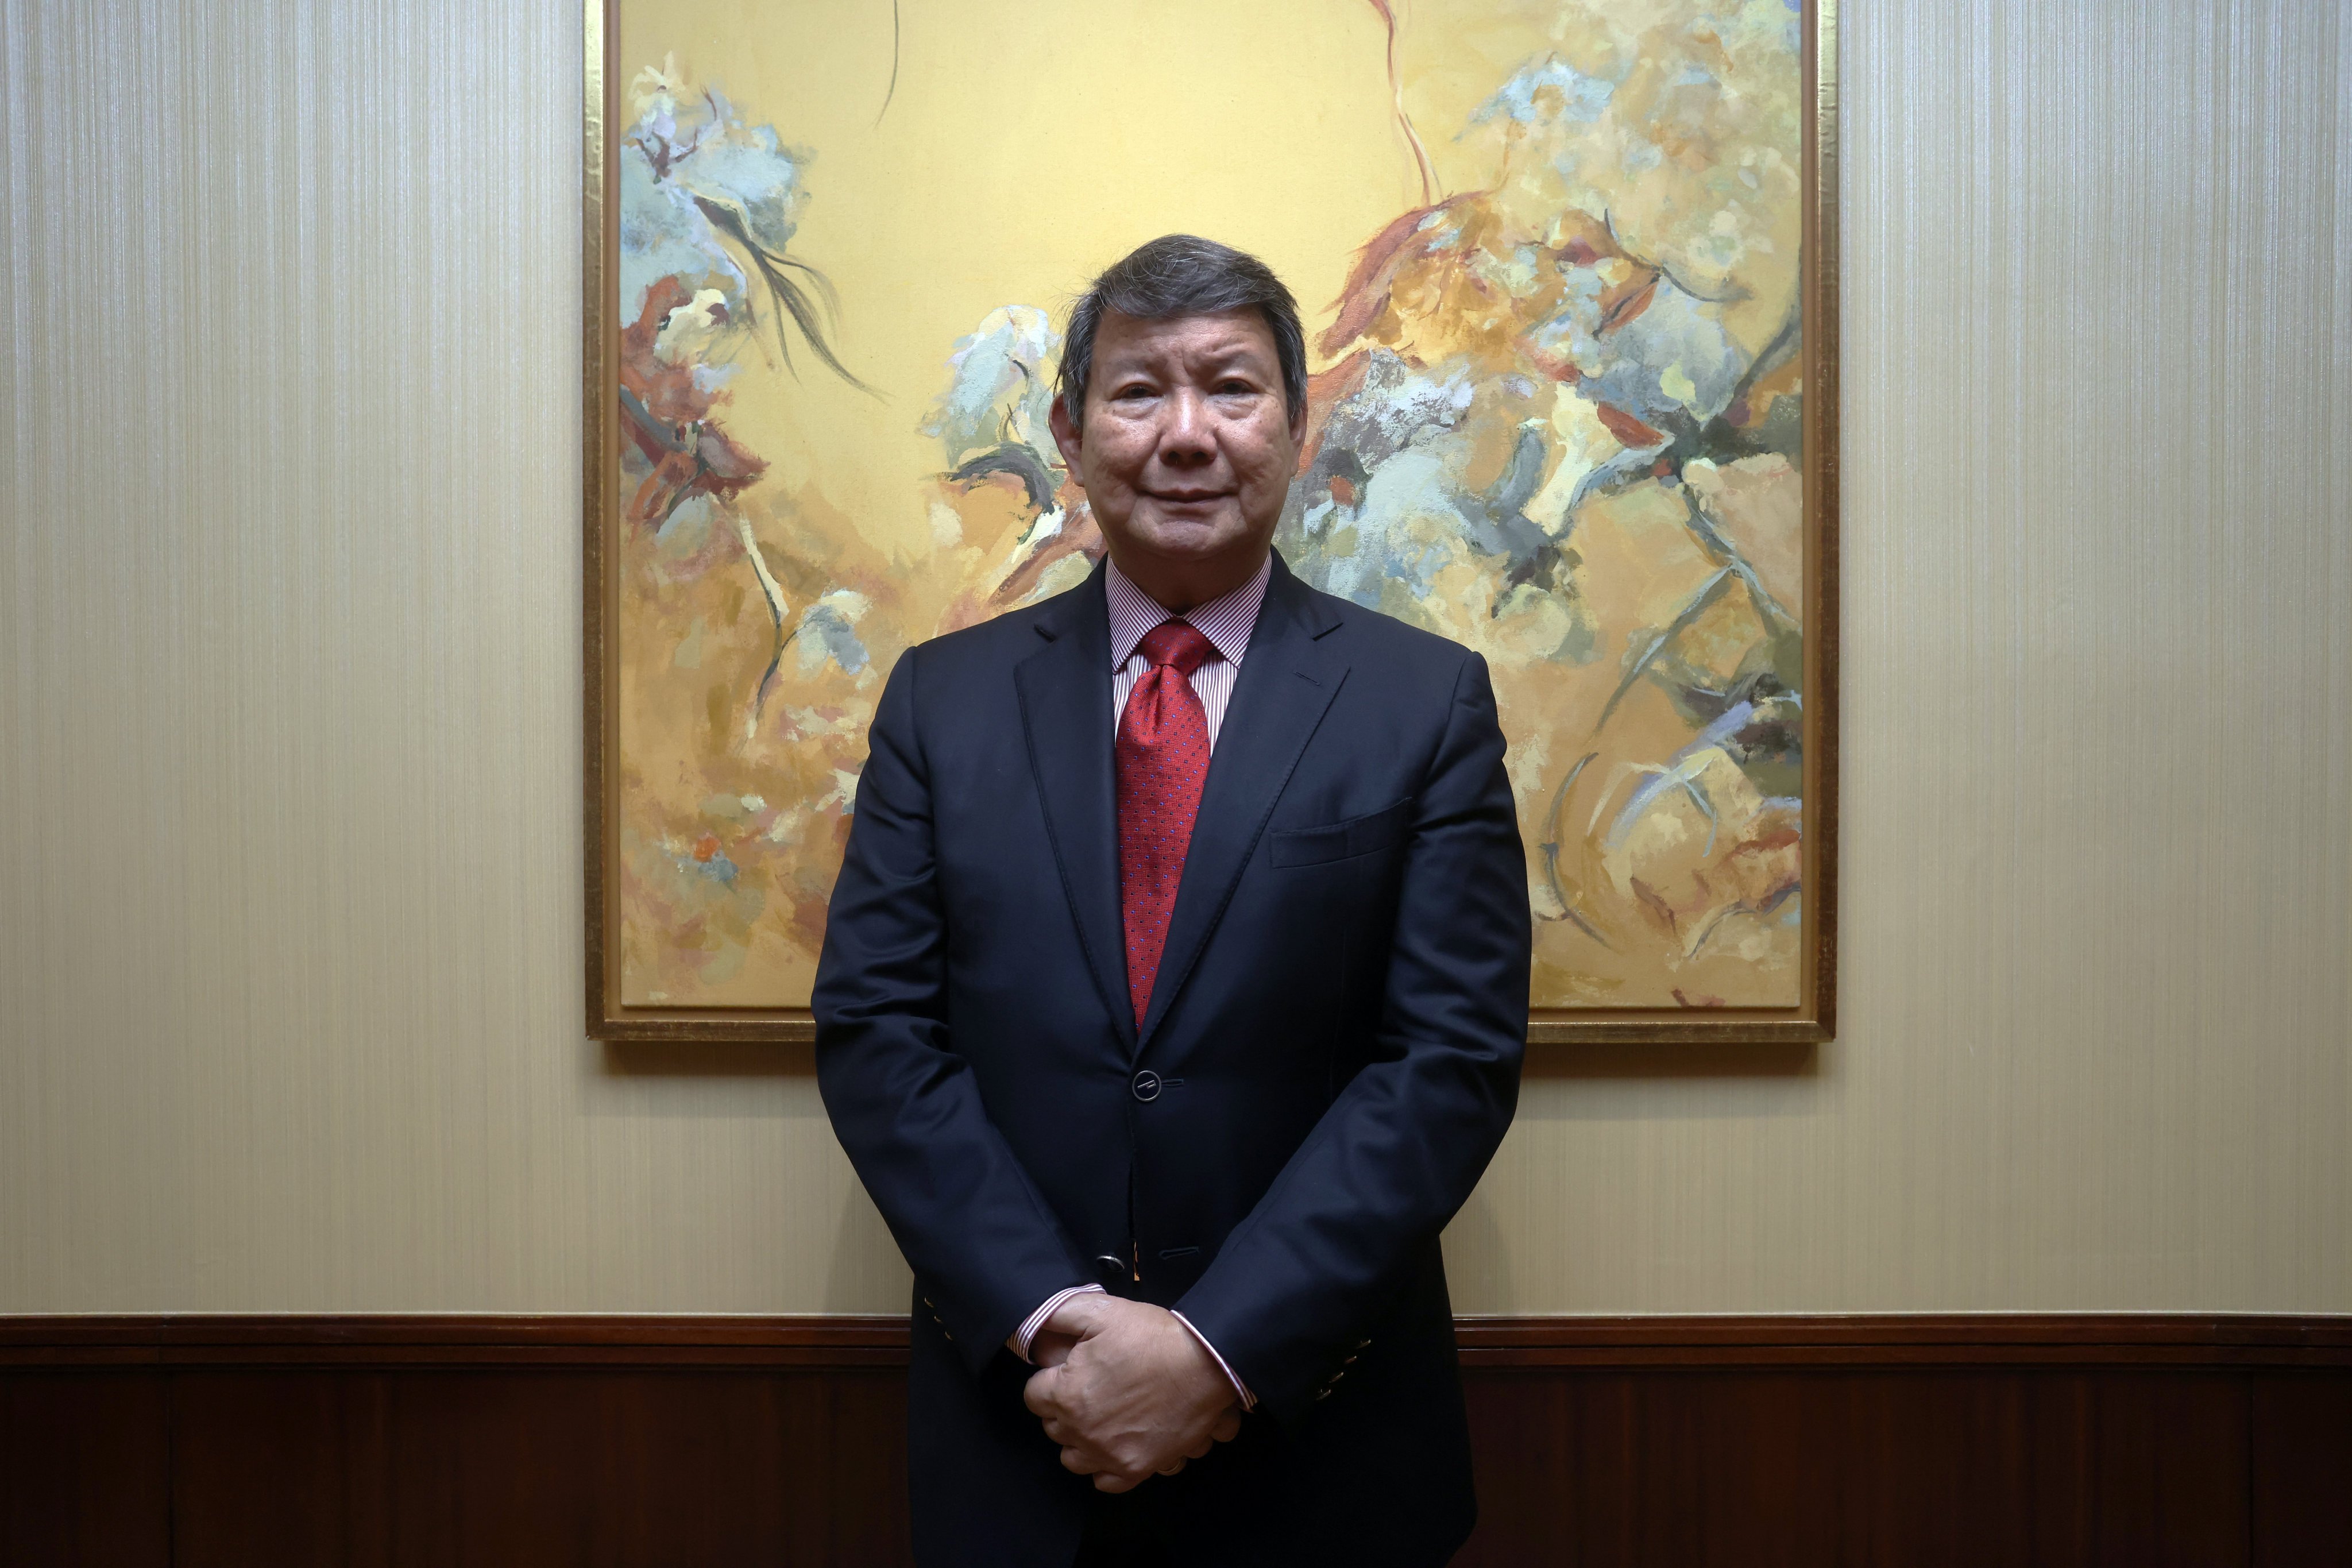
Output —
(1163, 759)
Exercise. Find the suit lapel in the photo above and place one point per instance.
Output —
(1286, 681)
(1065, 689)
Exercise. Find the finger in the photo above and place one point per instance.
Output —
(1112, 1481)
(1228, 1426)
(1199, 1450)
(1038, 1393)
(1172, 1467)
(1075, 1461)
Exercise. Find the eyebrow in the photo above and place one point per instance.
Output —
(1113, 370)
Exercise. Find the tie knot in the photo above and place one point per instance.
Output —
(1179, 643)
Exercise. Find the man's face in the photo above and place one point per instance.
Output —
(1187, 452)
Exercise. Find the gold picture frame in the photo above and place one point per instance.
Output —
(613, 1015)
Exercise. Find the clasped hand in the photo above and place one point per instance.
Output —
(1128, 1391)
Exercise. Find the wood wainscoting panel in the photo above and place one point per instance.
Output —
(1935, 1469)
(2067, 1442)
(448, 1468)
(84, 1466)
(2301, 1469)
(274, 1468)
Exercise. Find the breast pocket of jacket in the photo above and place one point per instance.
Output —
(1344, 841)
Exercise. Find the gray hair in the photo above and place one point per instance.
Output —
(1184, 275)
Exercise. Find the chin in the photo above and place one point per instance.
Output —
(1186, 537)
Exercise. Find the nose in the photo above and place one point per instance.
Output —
(1185, 438)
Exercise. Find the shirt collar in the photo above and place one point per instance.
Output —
(1226, 620)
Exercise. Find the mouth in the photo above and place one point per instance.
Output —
(1185, 498)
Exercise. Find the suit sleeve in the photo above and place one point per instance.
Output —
(985, 1247)
(1400, 1149)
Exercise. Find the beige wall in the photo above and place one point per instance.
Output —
(289, 882)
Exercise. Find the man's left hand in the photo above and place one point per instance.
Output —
(1134, 1395)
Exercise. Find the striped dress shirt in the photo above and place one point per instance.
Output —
(1227, 621)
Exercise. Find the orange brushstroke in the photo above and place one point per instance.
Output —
(1626, 428)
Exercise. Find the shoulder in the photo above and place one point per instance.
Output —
(1006, 638)
(1376, 639)
(1402, 680)
(989, 648)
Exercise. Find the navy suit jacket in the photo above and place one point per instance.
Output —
(1331, 1055)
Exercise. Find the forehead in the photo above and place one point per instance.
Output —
(1222, 335)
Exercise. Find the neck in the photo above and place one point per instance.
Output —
(1181, 586)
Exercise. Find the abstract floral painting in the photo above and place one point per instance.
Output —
(1554, 261)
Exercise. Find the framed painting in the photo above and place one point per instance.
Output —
(1568, 272)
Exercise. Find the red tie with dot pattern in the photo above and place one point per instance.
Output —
(1163, 759)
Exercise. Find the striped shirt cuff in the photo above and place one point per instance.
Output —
(1249, 1400)
(1019, 1343)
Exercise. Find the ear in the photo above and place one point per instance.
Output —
(1067, 435)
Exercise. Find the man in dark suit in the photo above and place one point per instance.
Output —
(1173, 997)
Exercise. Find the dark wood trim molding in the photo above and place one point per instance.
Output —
(1908, 1340)
(434, 1340)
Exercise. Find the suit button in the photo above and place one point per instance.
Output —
(1146, 1085)
(1111, 1269)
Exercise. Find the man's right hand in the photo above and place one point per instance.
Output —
(1128, 1391)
